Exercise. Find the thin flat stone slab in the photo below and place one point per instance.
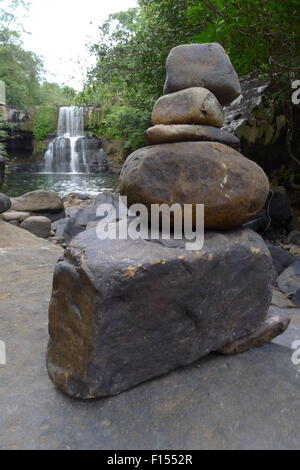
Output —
(125, 311)
(164, 134)
(202, 65)
(192, 106)
(274, 325)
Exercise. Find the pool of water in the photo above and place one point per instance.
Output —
(20, 183)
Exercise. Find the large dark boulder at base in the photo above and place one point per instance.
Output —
(202, 65)
(5, 203)
(125, 311)
(232, 188)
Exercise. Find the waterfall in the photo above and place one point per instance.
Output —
(72, 151)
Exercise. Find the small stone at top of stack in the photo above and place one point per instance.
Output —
(202, 65)
(200, 79)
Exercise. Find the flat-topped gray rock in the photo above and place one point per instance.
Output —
(38, 201)
(191, 106)
(202, 65)
(124, 311)
(165, 134)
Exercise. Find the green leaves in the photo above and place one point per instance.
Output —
(258, 35)
(44, 120)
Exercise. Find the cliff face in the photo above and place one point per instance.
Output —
(259, 124)
(19, 141)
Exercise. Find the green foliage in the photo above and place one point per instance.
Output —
(259, 35)
(124, 122)
(44, 119)
(10, 27)
(3, 135)
(20, 70)
(54, 94)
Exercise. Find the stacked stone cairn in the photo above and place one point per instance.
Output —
(125, 311)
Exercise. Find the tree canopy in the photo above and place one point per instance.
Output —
(259, 35)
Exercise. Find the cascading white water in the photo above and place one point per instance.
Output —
(71, 151)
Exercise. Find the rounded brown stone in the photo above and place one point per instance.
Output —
(202, 65)
(232, 188)
(191, 106)
(164, 134)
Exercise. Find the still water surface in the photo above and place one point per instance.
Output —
(20, 183)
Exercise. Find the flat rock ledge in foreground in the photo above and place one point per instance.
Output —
(125, 311)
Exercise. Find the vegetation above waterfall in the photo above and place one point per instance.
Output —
(259, 35)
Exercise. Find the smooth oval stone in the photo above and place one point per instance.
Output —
(191, 106)
(163, 134)
(38, 201)
(202, 65)
(232, 188)
(38, 225)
